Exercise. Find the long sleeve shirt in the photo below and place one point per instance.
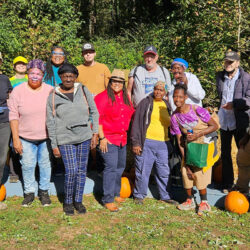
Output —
(114, 117)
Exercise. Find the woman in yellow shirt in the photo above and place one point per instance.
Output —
(151, 144)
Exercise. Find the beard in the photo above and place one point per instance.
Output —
(149, 66)
(230, 71)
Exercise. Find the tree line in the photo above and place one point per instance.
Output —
(199, 31)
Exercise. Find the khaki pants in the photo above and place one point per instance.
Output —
(201, 179)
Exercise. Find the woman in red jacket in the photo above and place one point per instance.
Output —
(116, 110)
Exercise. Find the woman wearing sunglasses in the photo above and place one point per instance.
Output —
(56, 59)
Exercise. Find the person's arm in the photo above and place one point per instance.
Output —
(168, 78)
(13, 104)
(103, 140)
(93, 112)
(205, 117)
(195, 89)
(180, 144)
(135, 133)
(51, 126)
(107, 75)
(130, 86)
(17, 145)
(244, 102)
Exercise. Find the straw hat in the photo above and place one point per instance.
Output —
(118, 75)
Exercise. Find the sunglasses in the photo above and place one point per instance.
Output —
(58, 53)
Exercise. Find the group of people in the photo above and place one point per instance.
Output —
(56, 110)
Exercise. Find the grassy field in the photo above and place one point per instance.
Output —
(155, 225)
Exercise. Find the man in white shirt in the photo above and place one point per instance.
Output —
(195, 91)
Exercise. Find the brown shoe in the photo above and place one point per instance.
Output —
(111, 207)
(120, 199)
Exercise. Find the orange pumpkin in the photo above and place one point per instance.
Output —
(125, 188)
(2, 192)
(217, 172)
(236, 202)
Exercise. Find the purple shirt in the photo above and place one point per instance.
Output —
(188, 120)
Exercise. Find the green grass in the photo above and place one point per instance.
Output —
(155, 225)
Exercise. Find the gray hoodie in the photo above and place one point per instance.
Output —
(70, 123)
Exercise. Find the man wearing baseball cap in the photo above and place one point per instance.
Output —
(233, 86)
(93, 75)
(143, 78)
(20, 67)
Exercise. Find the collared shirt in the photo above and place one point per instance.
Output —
(114, 117)
(227, 117)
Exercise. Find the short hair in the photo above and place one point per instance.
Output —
(182, 87)
(68, 68)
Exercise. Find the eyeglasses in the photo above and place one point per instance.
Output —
(58, 53)
(35, 74)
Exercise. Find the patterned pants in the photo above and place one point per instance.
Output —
(75, 159)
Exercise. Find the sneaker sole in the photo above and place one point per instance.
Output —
(26, 205)
(46, 205)
(186, 209)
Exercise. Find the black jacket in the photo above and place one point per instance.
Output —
(241, 98)
(142, 120)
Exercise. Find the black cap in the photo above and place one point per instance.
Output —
(88, 46)
(232, 56)
(150, 49)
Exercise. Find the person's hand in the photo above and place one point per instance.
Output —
(94, 140)
(181, 78)
(17, 145)
(137, 150)
(190, 174)
(228, 106)
(56, 152)
(104, 145)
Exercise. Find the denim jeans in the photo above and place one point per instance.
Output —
(4, 145)
(35, 152)
(114, 164)
(154, 152)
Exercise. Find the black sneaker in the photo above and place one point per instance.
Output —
(68, 209)
(80, 208)
(170, 201)
(28, 199)
(138, 201)
(44, 197)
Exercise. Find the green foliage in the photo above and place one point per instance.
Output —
(199, 31)
(31, 28)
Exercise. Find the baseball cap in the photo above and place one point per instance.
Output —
(150, 49)
(232, 56)
(88, 46)
(20, 59)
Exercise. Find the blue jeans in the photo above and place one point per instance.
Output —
(75, 159)
(114, 164)
(35, 152)
(154, 152)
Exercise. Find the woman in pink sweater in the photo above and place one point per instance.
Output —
(27, 105)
